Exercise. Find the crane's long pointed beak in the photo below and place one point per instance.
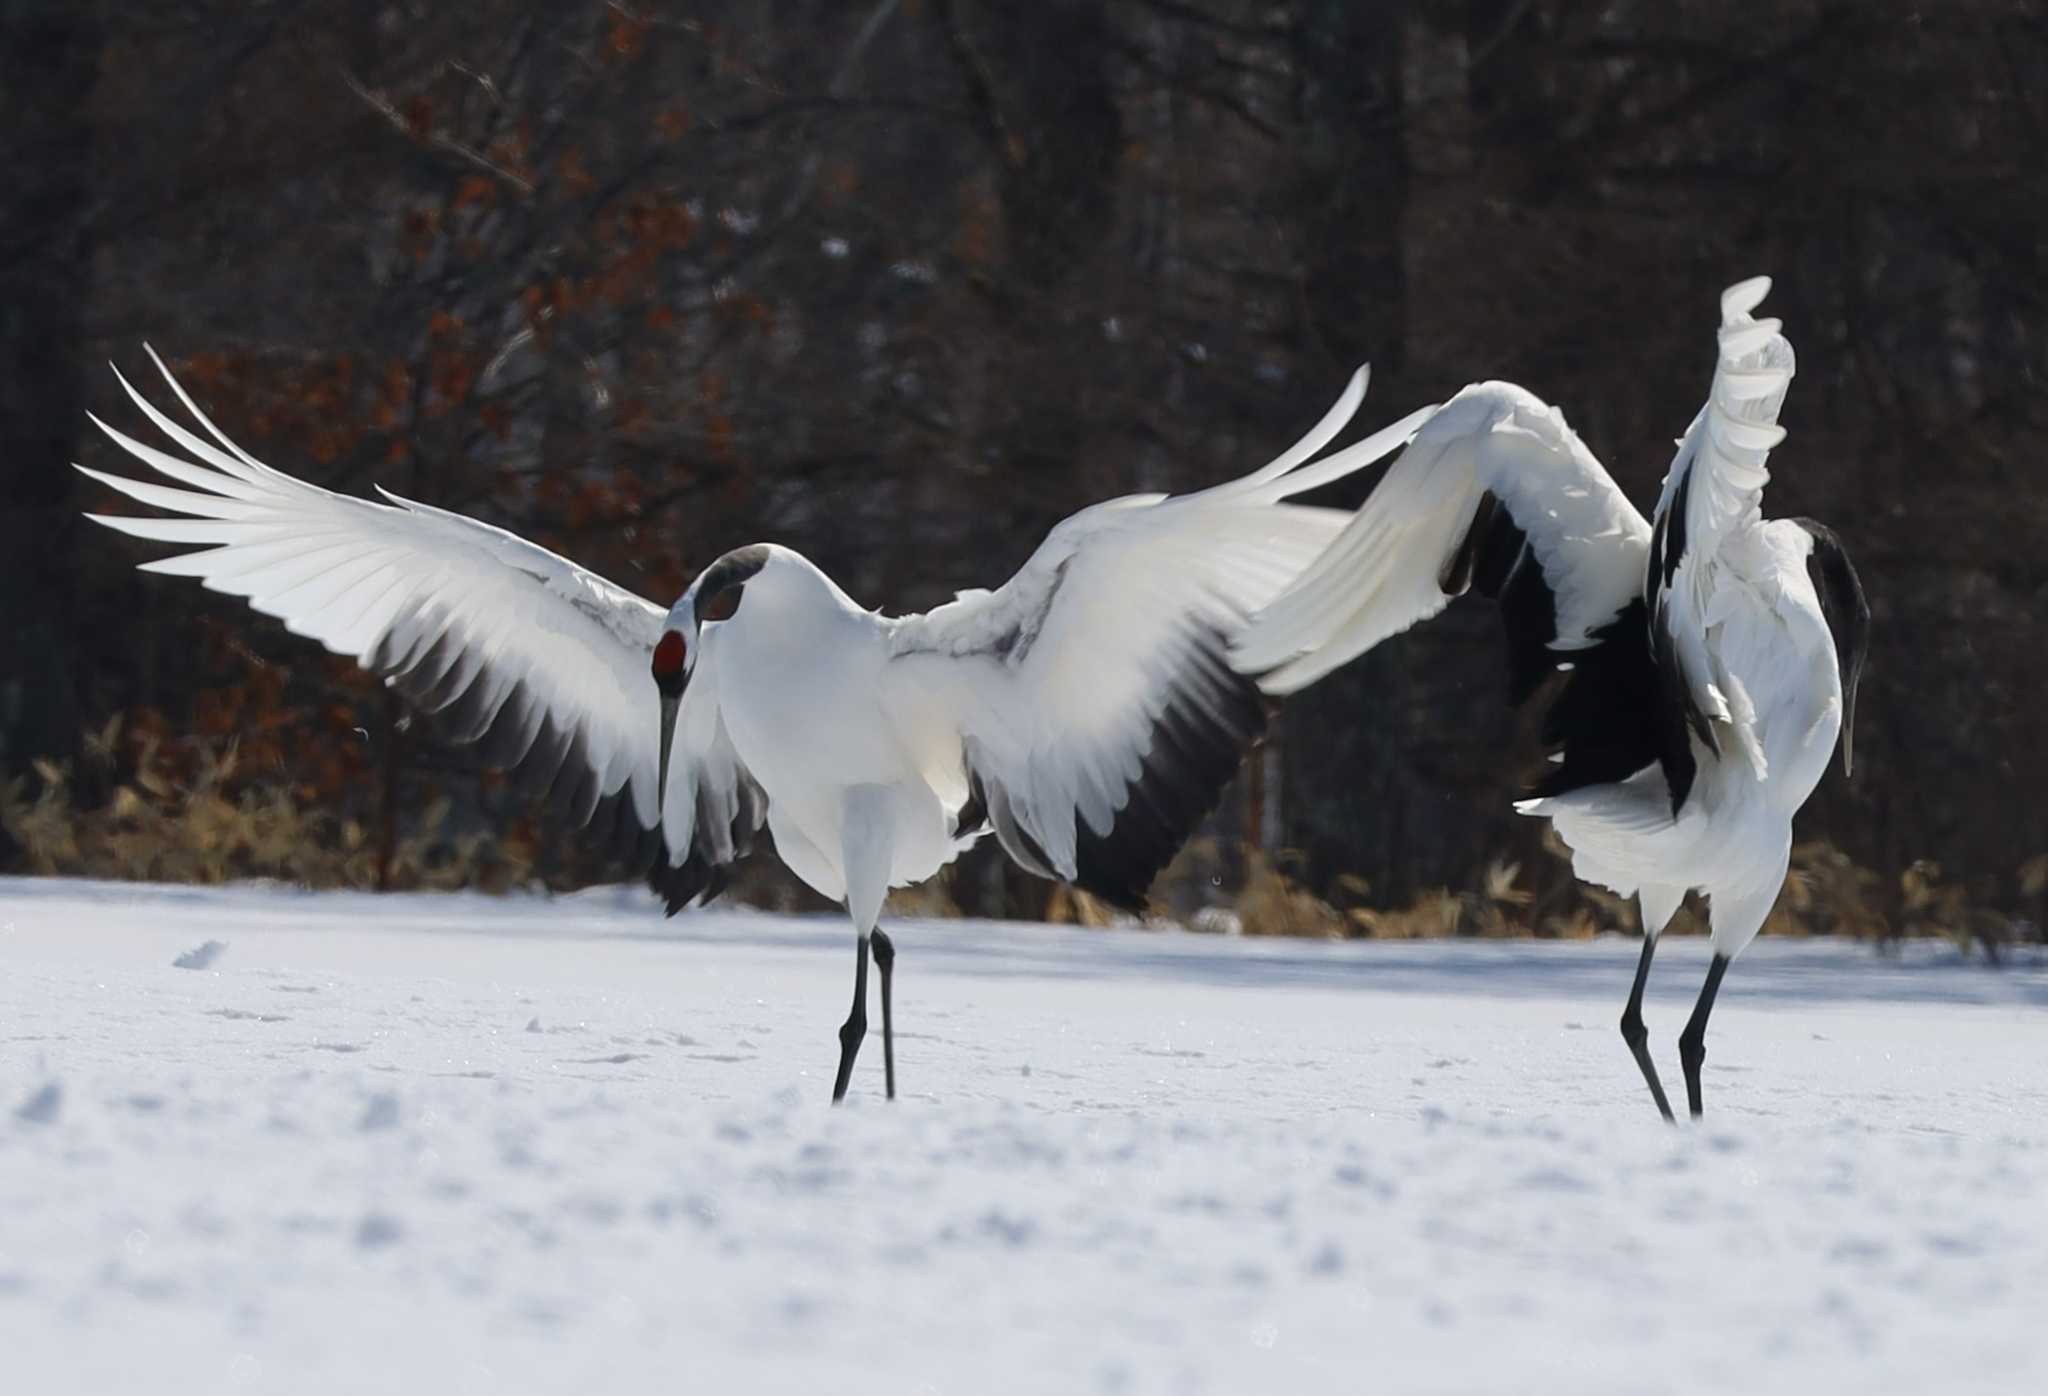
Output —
(670, 703)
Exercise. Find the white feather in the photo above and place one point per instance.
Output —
(361, 578)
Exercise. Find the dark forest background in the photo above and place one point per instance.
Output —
(903, 282)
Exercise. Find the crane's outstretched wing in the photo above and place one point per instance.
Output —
(1713, 490)
(1495, 493)
(541, 663)
(1098, 710)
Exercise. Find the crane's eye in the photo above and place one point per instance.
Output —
(668, 655)
(722, 606)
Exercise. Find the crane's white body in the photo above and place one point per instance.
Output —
(1730, 605)
(1047, 702)
(1774, 664)
(796, 682)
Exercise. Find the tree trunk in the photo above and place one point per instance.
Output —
(1353, 802)
(49, 58)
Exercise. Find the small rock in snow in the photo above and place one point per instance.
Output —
(533, 1025)
(200, 957)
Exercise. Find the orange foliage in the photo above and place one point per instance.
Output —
(574, 172)
(204, 370)
(510, 153)
(668, 225)
(417, 232)
(397, 388)
(451, 373)
(718, 435)
(628, 34)
(975, 243)
(667, 575)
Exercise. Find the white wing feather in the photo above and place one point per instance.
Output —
(1385, 573)
(520, 647)
(1727, 448)
(1109, 649)
(1713, 492)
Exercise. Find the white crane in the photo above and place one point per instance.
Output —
(1712, 656)
(1086, 711)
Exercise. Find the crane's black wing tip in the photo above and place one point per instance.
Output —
(693, 882)
(1211, 721)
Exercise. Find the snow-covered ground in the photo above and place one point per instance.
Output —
(459, 1144)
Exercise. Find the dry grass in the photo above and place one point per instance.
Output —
(1826, 893)
(210, 827)
(191, 816)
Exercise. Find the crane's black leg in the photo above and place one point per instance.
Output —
(856, 1025)
(885, 961)
(1637, 1036)
(1692, 1043)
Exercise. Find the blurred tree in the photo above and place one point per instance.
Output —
(904, 282)
(49, 53)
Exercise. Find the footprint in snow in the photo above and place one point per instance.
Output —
(43, 1107)
(243, 1015)
(377, 1230)
(1553, 1180)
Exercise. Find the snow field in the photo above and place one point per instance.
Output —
(427, 1144)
